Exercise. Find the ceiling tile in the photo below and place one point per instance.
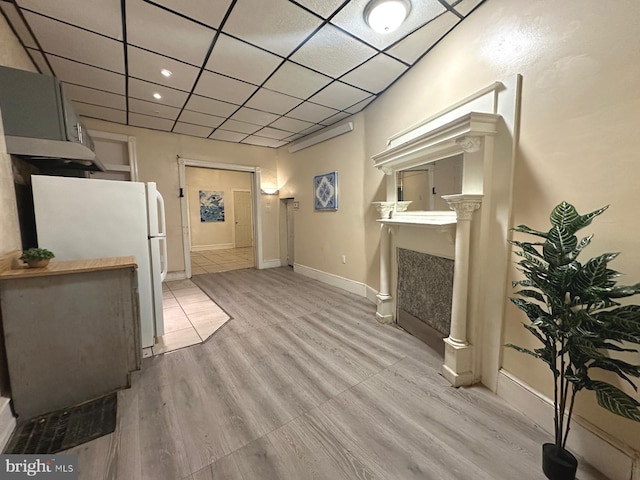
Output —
(193, 130)
(332, 52)
(313, 129)
(145, 90)
(223, 88)
(146, 121)
(104, 16)
(376, 74)
(335, 118)
(240, 127)
(153, 109)
(240, 60)
(205, 11)
(201, 119)
(256, 117)
(296, 80)
(38, 57)
(413, 47)
(351, 19)
(273, 133)
(339, 95)
(278, 26)
(227, 136)
(311, 112)
(291, 124)
(273, 102)
(263, 142)
(11, 11)
(324, 8)
(156, 29)
(95, 97)
(466, 6)
(102, 113)
(77, 44)
(294, 137)
(147, 66)
(360, 106)
(209, 105)
(79, 73)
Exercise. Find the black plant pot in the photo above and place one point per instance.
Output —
(558, 463)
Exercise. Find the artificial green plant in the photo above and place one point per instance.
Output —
(573, 312)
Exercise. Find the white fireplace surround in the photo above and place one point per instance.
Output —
(483, 129)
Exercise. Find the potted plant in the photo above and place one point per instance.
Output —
(37, 257)
(573, 312)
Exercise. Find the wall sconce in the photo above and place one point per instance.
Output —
(269, 191)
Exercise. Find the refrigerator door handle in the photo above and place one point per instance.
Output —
(162, 227)
(164, 264)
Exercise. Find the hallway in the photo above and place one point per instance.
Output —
(215, 261)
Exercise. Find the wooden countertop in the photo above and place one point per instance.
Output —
(69, 266)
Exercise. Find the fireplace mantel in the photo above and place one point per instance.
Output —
(482, 128)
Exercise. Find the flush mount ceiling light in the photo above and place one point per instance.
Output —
(157, 96)
(166, 73)
(385, 16)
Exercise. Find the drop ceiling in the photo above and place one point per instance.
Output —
(260, 72)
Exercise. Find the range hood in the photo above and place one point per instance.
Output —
(40, 124)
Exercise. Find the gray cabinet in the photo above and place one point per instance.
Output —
(70, 337)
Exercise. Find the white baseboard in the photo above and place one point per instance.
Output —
(331, 279)
(275, 263)
(173, 276)
(372, 295)
(217, 246)
(605, 454)
(7, 422)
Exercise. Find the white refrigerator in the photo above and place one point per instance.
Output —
(79, 218)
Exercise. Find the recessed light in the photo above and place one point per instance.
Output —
(166, 73)
(157, 96)
(385, 16)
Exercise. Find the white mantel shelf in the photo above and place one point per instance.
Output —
(419, 222)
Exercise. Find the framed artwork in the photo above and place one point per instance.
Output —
(326, 191)
(211, 206)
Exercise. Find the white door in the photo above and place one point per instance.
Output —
(242, 218)
(290, 237)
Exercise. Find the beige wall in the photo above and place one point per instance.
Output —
(322, 237)
(157, 162)
(11, 55)
(580, 103)
(213, 234)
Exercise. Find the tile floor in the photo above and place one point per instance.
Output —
(214, 261)
(190, 317)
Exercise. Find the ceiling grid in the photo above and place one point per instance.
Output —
(260, 72)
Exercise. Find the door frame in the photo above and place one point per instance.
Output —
(183, 163)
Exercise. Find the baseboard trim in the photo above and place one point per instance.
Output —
(372, 295)
(217, 246)
(331, 279)
(173, 276)
(275, 263)
(7, 422)
(605, 454)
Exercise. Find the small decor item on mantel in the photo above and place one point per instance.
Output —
(402, 205)
(573, 312)
(37, 257)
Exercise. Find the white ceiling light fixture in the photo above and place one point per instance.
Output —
(385, 16)
(157, 96)
(166, 73)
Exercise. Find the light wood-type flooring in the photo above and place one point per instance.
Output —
(303, 384)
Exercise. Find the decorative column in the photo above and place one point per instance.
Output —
(458, 354)
(384, 313)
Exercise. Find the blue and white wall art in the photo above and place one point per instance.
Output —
(326, 191)
(211, 206)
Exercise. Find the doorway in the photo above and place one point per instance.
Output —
(291, 205)
(219, 208)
